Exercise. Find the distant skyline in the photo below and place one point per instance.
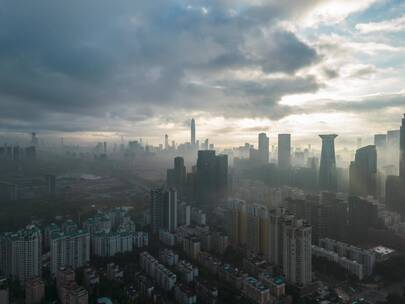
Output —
(95, 70)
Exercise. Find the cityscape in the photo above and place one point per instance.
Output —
(202, 152)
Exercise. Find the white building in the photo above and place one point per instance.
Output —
(365, 257)
(297, 255)
(159, 273)
(20, 253)
(109, 244)
(69, 249)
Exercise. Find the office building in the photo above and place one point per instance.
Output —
(166, 142)
(212, 178)
(284, 151)
(163, 209)
(363, 172)
(263, 148)
(327, 170)
(393, 147)
(169, 214)
(180, 175)
(362, 216)
(380, 141)
(156, 197)
(20, 253)
(193, 142)
(69, 249)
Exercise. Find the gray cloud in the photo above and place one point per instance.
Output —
(67, 65)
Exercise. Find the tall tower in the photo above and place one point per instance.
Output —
(169, 212)
(284, 151)
(263, 148)
(363, 172)
(327, 170)
(193, 132)
(156, 200)
(166, 142)
(402, 150)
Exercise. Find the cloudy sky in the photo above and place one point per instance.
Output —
(99, 69)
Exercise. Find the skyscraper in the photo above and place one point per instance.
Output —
(402, 150)
(327, 170)
(221, 182)
(169, 214)
(193, 132)
(206, 170)
(263, 148)
(393, 147)
(179, 176)
(211, 178)
(380, 141)
(156, 200)
(363, 172)
(166, 142)
(284, 151)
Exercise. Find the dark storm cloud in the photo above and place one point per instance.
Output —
(66, 65)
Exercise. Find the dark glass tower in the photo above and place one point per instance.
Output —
(327, 169)
(363, 172)
(179, 176)
(284, 151)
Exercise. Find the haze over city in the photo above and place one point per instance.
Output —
(96, 70)
(202, 152)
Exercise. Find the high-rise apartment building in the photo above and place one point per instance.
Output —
(284, 151)
(20, 253)
(327, 170)
(297, 252)
(69, 249)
